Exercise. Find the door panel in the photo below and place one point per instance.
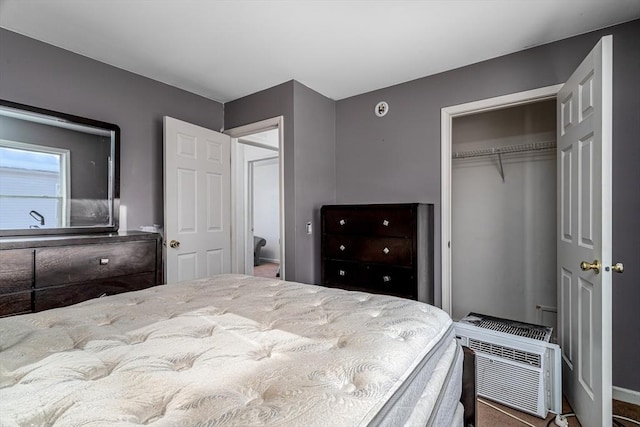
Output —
(566, 317)
(585, 192)
(584, 115)
(566, 161)
(187, 266)
(186, 206)
(215, 262)
(215, 201)
(197, 185)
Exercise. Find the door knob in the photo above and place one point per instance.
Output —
(595, 266)
(174, 244)
(618, 267)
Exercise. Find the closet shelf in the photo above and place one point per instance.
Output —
(509, 149)
(520, 148)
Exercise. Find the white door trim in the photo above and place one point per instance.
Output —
(447, 115)
(240, 131)
(626, 395)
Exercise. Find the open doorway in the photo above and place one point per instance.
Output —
(257, 199)
(263, 212)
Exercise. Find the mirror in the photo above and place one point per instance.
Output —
(58, 172)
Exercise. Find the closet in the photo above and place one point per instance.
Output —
(503, 213)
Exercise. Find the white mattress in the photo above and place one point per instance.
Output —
(230, 350)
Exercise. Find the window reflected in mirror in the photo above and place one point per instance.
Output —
(34, 186)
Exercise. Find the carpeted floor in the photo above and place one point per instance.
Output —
(268, 269)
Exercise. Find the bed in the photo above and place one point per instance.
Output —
(232, 350)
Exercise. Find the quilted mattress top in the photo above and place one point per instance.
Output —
(227, 350)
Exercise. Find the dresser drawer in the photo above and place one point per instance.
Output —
(385, 250)
(370, 277)
(387, 221)
(59, 296)
(82, 263)
(345, 273)
(393, 280)
(16, 273)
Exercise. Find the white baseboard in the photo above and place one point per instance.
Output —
(275, 261)
(626, 395)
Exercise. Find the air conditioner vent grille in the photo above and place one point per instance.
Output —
(523, 394)
(511, 327)
(524, 357)
(536, 334)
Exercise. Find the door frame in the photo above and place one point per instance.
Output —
(235, 134)
(446, 134)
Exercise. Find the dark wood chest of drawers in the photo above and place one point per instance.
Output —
(41, 273)
(383, 248)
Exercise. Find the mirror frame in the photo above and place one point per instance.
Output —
(115, 178)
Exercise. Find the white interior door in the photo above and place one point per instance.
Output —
(197, 201)
(584, 108)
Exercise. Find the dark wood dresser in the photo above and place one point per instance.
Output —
(382, 248)
(38, 273)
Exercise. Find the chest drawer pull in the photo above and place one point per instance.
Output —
(386, 278)
(386, 251)
(342, 247)
(342, 273)
(385, 223)
(104, 261)
(342, 222)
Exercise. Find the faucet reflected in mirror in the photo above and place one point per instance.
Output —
(38, 217)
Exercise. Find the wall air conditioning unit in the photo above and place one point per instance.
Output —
(516, 365)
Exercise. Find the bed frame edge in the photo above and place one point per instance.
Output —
(468, 398)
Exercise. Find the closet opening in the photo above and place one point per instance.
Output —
(503, 213)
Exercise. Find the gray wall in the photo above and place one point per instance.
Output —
(396, 158)
(309, 165)
(39, 74)
(315, 174)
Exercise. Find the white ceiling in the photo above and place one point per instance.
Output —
(224, 50)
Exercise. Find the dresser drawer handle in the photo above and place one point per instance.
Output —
(385, 223)
(342, 273)
(343, 222)
(386, 278)
(104, 261)
(386, 251)
(342, 247)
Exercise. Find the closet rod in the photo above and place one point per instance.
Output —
(520, 148)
